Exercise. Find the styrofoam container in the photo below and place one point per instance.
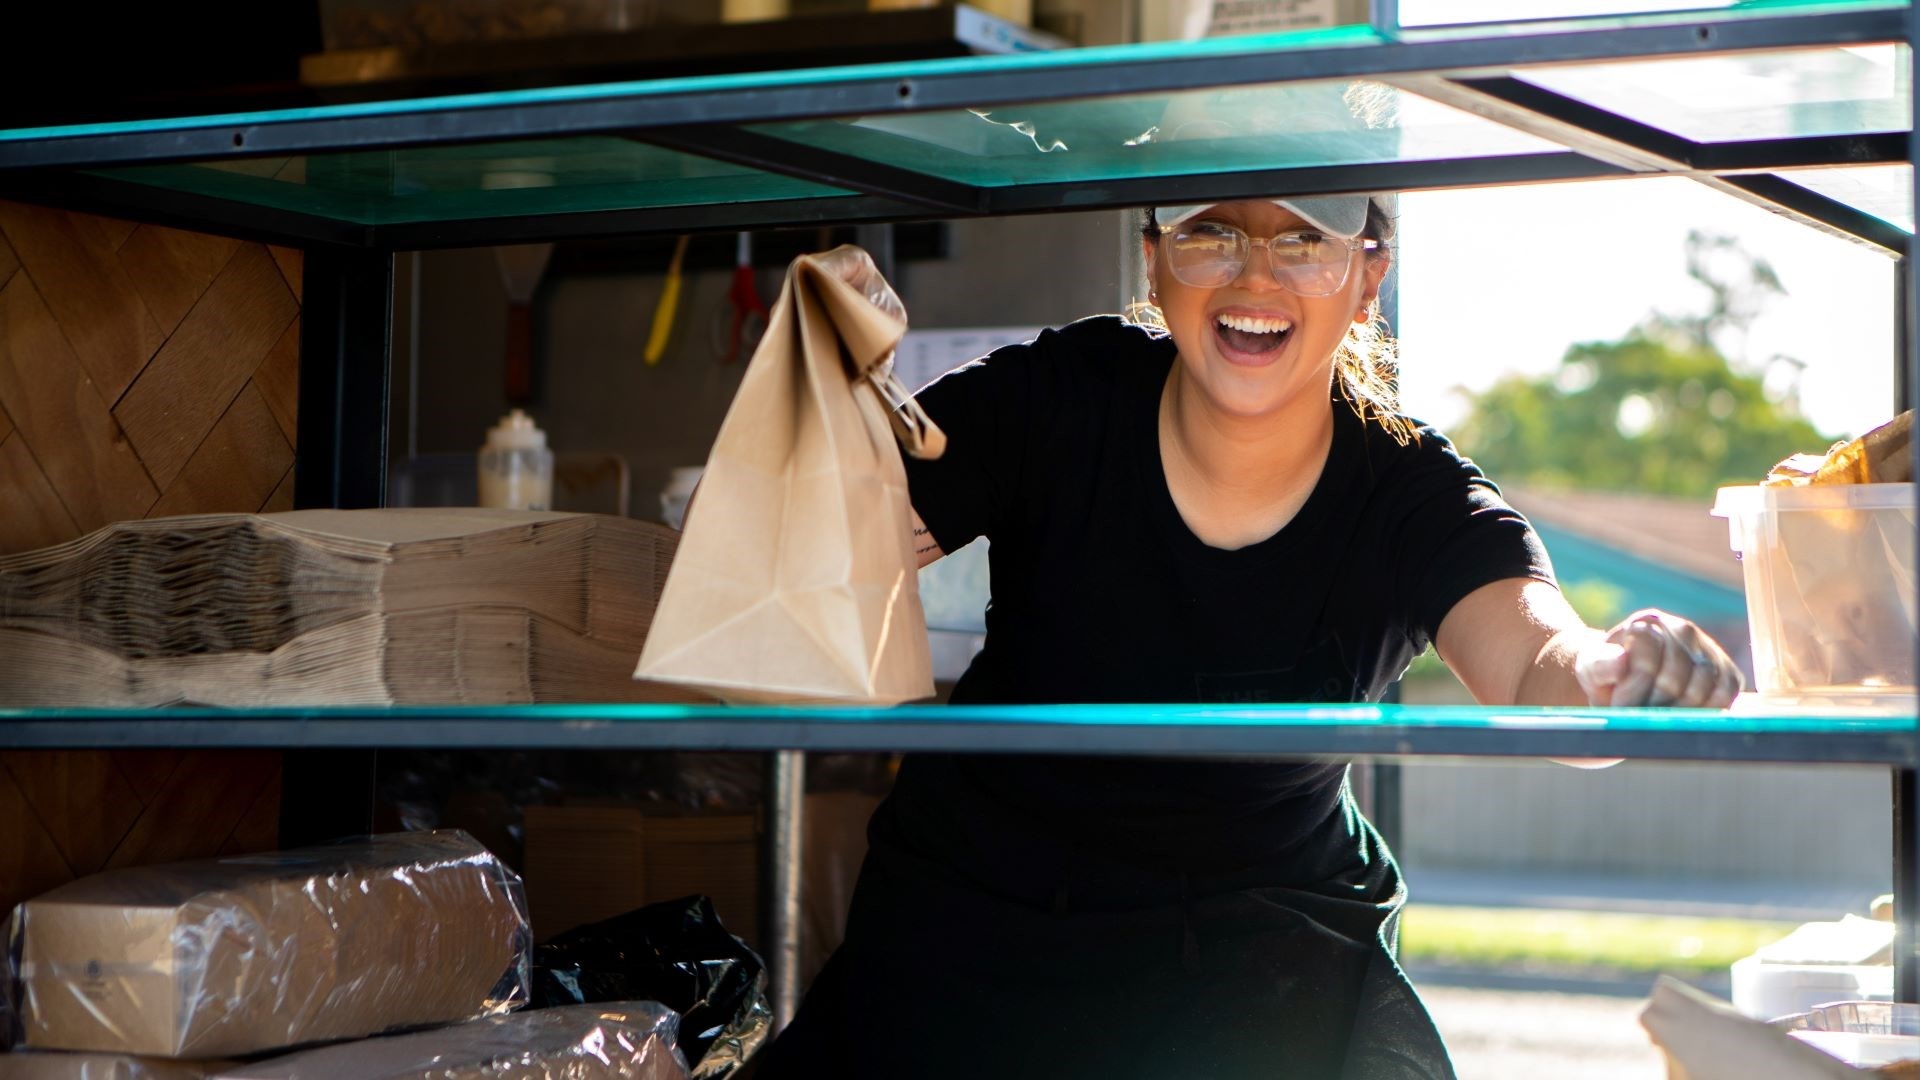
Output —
(1830, 587)
(1767, 991)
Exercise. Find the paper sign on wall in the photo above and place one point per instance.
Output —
(925, 355)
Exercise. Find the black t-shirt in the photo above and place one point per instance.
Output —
(1100, 593)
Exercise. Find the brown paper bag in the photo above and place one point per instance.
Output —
(796, 578)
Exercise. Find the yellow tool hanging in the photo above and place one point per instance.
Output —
(663, 311)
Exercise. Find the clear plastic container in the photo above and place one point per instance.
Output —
(515, 466)
(1830, 588)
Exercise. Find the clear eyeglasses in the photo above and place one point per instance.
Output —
(1209, 254)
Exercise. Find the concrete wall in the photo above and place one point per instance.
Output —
(1741, 822)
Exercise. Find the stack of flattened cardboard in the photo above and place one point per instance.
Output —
(367, 607)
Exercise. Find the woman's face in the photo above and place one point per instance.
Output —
(1253, 345)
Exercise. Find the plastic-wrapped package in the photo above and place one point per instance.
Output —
(629, 1040)
(56, 1065)
(234, 956)
(675, 953)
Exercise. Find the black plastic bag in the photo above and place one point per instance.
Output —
(674, 952)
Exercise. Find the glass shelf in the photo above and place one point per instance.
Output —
(1277, 126)
(1885, 191)
(451, 183)
(1768, 95)
(1751, 732)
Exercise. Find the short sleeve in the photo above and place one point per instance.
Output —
(1456, 534)
(985, 409)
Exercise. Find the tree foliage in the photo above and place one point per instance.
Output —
(1663, 410)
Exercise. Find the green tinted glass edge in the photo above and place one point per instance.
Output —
(1449, 717)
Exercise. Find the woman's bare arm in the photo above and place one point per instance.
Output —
(1518, 642)
(925, 550)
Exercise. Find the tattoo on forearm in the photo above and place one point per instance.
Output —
(920, 531)
(924, 550)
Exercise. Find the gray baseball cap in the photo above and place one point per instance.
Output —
(1344, 216)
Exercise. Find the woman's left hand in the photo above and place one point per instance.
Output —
(1653, 658)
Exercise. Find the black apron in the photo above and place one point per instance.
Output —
(1278, 970)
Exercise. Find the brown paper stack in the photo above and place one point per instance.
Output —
(350, 607)
(241, 955)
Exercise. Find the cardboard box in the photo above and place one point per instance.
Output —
(235, 956)
(587, 863)
(584, 864)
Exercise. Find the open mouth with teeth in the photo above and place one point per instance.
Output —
(1251, 335)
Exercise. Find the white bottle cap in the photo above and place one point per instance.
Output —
(516, 431)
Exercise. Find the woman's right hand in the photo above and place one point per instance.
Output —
(851, 264)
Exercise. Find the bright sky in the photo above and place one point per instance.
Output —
(1504, 279)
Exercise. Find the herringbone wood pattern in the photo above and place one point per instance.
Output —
(69, 813)
(144, 372)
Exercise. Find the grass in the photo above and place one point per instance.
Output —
(1535, 938)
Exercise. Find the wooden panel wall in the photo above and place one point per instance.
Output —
(144, 372)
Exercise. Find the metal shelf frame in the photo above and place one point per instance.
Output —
(710, 117)
(347, 329)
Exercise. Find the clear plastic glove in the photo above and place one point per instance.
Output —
(855, 267)
(1653, 658)
(921, 437)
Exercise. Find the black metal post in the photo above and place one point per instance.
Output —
(1903, 297)
(1906, 782)
(346, 346)
(1906, 883)
(340, 460)
(325, 795)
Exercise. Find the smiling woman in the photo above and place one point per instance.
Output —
(1317, 261)
(1223, 506)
